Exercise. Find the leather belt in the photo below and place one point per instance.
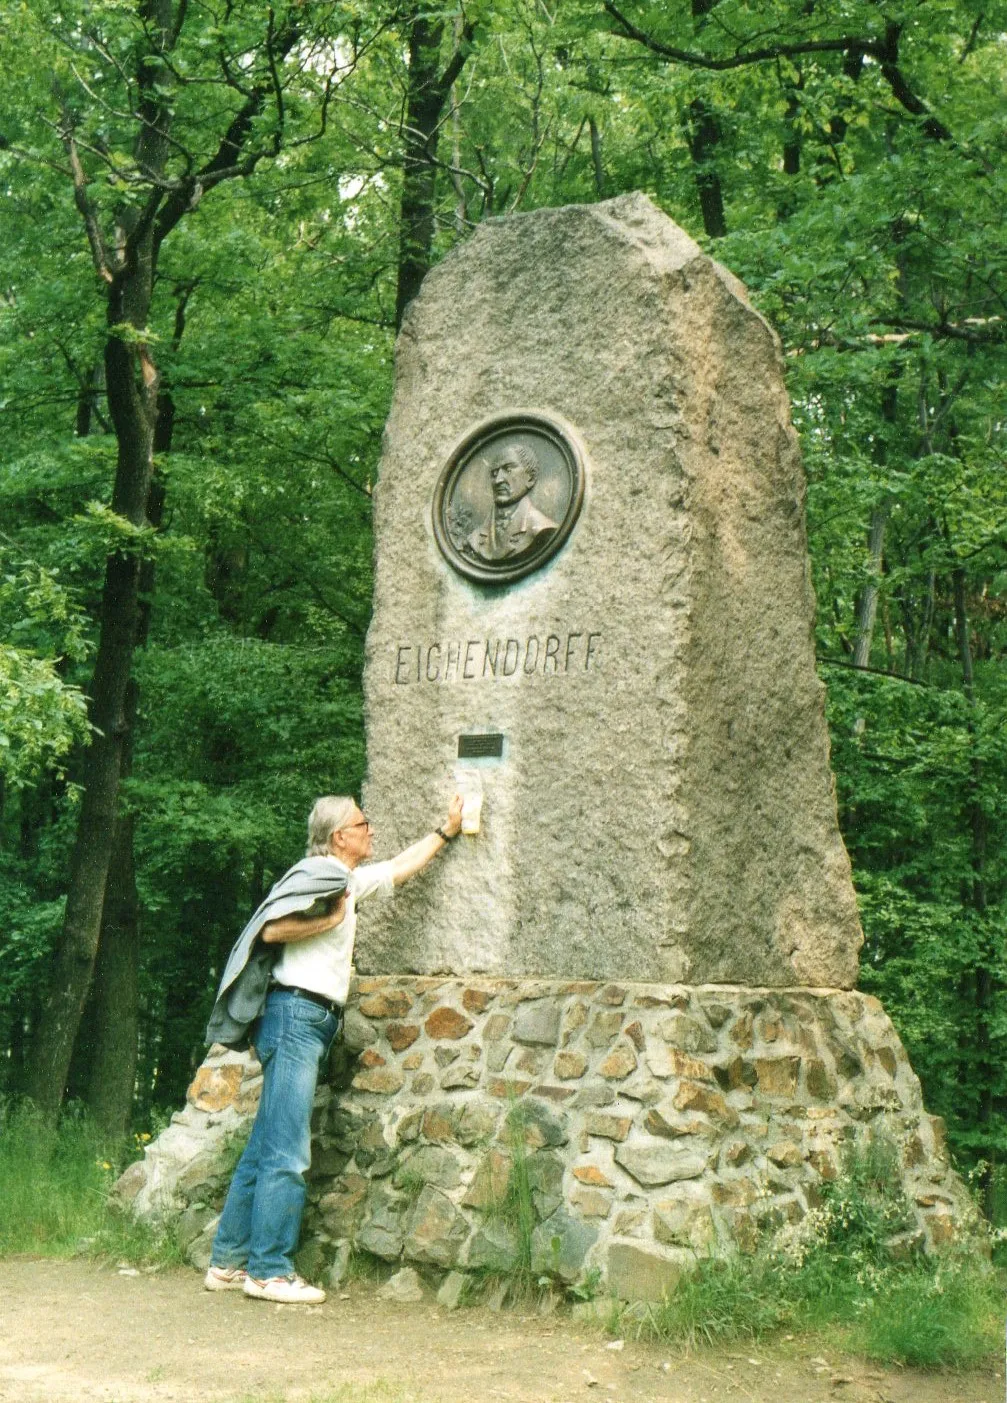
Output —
(310, 995)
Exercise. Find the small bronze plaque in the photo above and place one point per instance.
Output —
(509, 497)
(483, 746)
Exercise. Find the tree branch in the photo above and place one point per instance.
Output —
(884, 51)
(87, 211)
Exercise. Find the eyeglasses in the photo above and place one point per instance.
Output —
(361, 823)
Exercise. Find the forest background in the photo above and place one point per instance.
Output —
(212, 217)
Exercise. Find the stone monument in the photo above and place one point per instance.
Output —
(631, 993)
(659, 804)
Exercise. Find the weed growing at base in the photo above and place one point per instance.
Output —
(56, 1182)
(836, 1269)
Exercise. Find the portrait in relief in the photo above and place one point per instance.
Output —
(509, 497)
(515, 525)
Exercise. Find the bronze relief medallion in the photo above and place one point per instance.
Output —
(509, 497)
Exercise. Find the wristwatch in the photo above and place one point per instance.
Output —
(448, 837)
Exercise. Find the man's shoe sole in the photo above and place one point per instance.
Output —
(261, 1292)
(214, 1283)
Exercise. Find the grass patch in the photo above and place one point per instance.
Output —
(835, 1272)
(56, 1182)
(952, 1316)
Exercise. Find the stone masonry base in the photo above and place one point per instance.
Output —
(646, 1125)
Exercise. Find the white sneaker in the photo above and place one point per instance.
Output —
(287, 1290)
(225, 1279)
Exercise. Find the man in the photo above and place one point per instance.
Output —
(514, 525)
(261, 1222)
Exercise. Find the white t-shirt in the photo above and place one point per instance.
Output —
(322, 963)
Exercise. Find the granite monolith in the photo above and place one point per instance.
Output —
(658, 802)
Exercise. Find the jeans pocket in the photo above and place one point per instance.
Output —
(314, 1015)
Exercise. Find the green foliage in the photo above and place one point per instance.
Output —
(867, 220)
(836, 1271)
(42, 716)
(518, 1207)
(950, 1317)
(56, 1184)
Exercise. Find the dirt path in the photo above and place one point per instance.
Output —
(75, 1331)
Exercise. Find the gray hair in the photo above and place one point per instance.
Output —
(329, 814)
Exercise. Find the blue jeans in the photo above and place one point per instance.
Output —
(261, 1221)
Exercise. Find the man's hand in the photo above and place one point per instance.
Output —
(453, 824)
(414, 858)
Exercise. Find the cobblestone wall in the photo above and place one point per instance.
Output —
(649, 1124)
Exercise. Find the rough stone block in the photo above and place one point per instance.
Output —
(591, 1203)
(538, 1023)
(430, 1164)
(404, 1288)
(635, 1274)
(819, 1080)
(401, 1035)
(659, 1161)
(590, 1174)
(776, 1076)
(688, 1034)
(488, 1188)
(665, 1119)
(382, 1234)
(447, 1023)
(213, 1088)
(477, 1122)
(540, 1125)
(438, 1123)
(608, 1126)
(435, 1230)
(693, 1096)
(453, 1290)
(493, 1248)
(569, 1066)
(386, 1003)
(382, 1081)
(545, 1180)
(459, 1076)
(560, 1245)
(357, 1031)
(685, 1221)
(619, 1063)
(785, 1154)
(603, 1028)
(596, 1094)
(665, 1061)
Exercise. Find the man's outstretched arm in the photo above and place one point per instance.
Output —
(414, 858)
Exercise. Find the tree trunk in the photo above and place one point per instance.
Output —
(107, 1040)
(131, 386)
(979, 1071)
(704, 138)
(867, 603)
(113, 1009)
(419, 174)
(428, 92)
